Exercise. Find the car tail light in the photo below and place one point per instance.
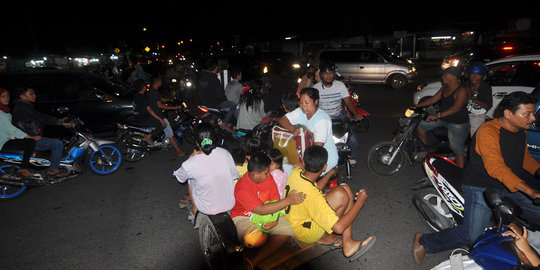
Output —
(507, 48)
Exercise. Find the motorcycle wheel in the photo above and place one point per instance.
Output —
(381, 152)
(106, 160)
(210, 243)
(10, 191)
(133, 148)
(439, 215)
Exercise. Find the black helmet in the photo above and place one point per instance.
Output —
(327, 66)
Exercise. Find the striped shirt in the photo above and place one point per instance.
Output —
(332, 97)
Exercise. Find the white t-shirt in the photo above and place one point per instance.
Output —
(331, 97)
(211, 178)
(321, 126)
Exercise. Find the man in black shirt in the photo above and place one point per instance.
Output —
(212, 93)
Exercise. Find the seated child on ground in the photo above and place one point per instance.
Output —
(256, 194)
(276, 170)
(240, 160)
(320, 217)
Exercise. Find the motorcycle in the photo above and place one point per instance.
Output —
(361, 125)
(135, 147)
(492, 250)
(387, 158)
(81, 151)
(341, 132)
(438, 198)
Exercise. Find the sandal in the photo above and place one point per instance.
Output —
(337, 244)
(24, 173)
(362, 250)
(58, 174)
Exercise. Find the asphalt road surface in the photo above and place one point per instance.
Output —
(131, 219)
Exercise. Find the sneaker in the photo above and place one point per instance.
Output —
(352, 162)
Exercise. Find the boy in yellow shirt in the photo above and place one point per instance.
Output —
(319, 218)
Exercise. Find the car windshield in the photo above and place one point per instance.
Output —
(109, 87)
(390, 56)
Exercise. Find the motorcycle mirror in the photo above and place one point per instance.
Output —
(492, 198)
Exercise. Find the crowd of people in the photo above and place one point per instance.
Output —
(286, 201)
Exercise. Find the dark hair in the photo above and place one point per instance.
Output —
(512, 102)
(21, 89)
(205, 131)
(239, 155)
(289, 100)
(139, 84)
(211, 64)
(252, 97)
(258, 162)
(315, 157)
(235, 71)
(276, 156)
(311, 92)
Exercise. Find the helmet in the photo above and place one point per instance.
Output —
(477, 68)
(327, 66)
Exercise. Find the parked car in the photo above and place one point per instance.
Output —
(505, 75)
(370, 66)
(98, 102)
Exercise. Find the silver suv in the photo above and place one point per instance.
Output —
(370, 66)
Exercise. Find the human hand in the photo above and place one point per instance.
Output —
(520, 236)
(270, 225)
(361, 196)
(35, 137)
(163, 123)
(432, 117)
(295, 197)
(296, 131)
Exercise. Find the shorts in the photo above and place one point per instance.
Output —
(168, 130)
(457, 133)
(244, 225)
(312, 235)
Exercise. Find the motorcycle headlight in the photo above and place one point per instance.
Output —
(409, 113)
(343, 139)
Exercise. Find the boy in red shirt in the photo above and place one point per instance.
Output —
(256, 193)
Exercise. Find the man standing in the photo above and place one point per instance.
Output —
(499, 160)
(332, 93)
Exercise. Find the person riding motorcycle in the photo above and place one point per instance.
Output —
(32, 122)
(332, 92)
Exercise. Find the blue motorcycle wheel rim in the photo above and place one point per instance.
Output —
(116, 158)
(5, 190)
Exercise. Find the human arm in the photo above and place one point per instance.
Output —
(350, 105)
(287, 121)
(153, 114)
(321, 183)
(520, 240)
(166, 107)
(348, 218)
(431, 100)
(460, 100)
(292, 198)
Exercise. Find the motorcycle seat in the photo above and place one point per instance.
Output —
(450, 172)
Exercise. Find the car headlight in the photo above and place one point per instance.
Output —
(296, 66)
(421, 86)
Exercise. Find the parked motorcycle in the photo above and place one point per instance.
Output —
(493, 251)
(135, 147)
(81, 151)
(387, 158)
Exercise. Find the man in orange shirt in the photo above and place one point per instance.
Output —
(499, 160)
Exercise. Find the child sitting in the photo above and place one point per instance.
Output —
(239, 157)
(320, 216)
(276, 170)
(256, 194)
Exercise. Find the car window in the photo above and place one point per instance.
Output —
(350, 57)
(66, 89)
(514, 74)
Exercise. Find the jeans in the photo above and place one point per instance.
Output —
(55, 145)
(231, 110)
(476, 219)
(457, 133)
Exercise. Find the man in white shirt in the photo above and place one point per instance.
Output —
(332, 94)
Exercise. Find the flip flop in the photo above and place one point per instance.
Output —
(334, 245)
(362, 250)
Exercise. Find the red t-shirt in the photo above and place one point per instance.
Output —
(249, 195)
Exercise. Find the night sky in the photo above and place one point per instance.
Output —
(90, 25)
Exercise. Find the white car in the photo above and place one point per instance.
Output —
(505, 75)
